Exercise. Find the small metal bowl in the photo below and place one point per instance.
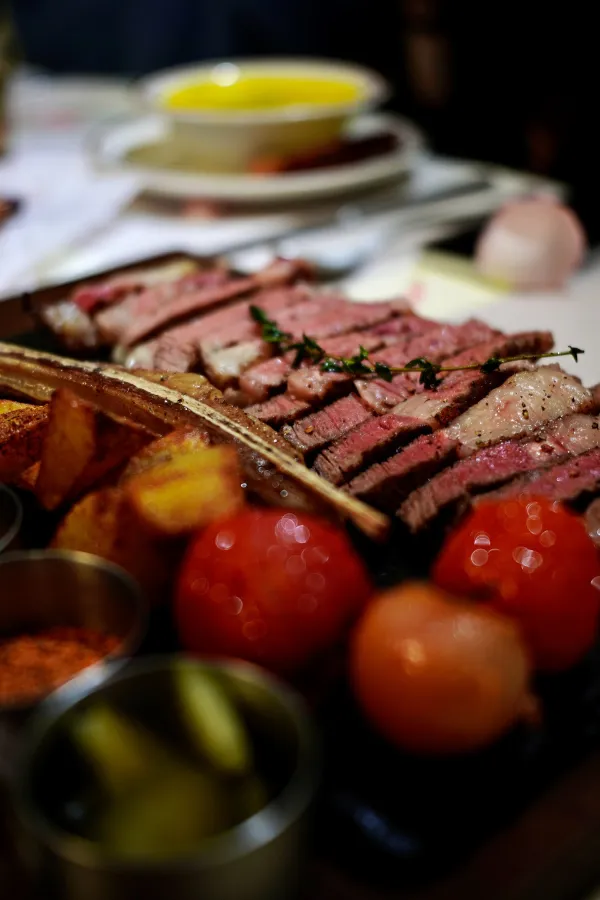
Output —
(11, 518)
(259, 859)
(41, 589)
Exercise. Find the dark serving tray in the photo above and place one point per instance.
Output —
(520, 821)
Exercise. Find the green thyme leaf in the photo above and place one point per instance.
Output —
(384, 371)
(491, 364)
(575, 352)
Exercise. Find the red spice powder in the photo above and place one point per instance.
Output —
(35, 664)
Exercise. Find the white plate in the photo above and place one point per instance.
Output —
(111, 143)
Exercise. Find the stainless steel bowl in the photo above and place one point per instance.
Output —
(260, 859)
(11, 518)
(41, 589)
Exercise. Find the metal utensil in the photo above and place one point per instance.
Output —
(350, 224)
(259, 859)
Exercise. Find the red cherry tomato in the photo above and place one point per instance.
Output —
(271, 587)
(531, 559)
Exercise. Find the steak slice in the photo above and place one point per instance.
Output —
(436, 346)
(142, 314)
(278, 410)
(179, 348)
(321, 319)
(315, 431)
(314, 385)
(92, 296)
(526, 402)
(386, 484)
(265, 378)
(491, 467)
(369, 442)
(461, 389)
(428, 410)
(567, 482)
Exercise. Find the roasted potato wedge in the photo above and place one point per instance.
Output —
(81, 445)
(187, 492)
(164, 449)
(102, 523)
(22, 429)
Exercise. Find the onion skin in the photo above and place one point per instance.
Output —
(437, 675)
(532, 244)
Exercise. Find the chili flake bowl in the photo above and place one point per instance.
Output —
(42, 590)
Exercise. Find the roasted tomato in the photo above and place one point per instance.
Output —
(270, 587)
(530, 559)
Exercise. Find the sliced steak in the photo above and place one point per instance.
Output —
(493, 466)
(386, 484)
(75, 328)
(461, 389)
(315, 431)
(369, 442)
(314, 385)
(526, 402)
(180, 348)
(574, 480)
(429, 410)
(321, 319)
(92, 296)
(278, 410)
(261, 380)
(436, 346)
(143, 314)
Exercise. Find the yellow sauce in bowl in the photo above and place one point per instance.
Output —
(257, 93)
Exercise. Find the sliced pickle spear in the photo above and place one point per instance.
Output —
(168, 818)
(122, 753)
(212, 721)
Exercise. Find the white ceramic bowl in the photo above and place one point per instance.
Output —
(228, 140)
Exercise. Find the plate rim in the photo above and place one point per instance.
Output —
(249, 188)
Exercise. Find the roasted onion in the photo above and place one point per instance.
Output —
(531, 244)
(438, 675)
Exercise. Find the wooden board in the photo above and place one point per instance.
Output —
(544, 844)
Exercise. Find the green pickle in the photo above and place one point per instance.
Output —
(154, 803)
(166, 819)
(122, 753)
(214, 725)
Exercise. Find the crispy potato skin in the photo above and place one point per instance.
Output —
(188, 491)
(165, 449)
(103, 523)
(81, 446)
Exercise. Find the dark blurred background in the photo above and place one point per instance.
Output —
(511, 82)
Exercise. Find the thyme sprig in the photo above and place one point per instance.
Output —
(360, 365)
